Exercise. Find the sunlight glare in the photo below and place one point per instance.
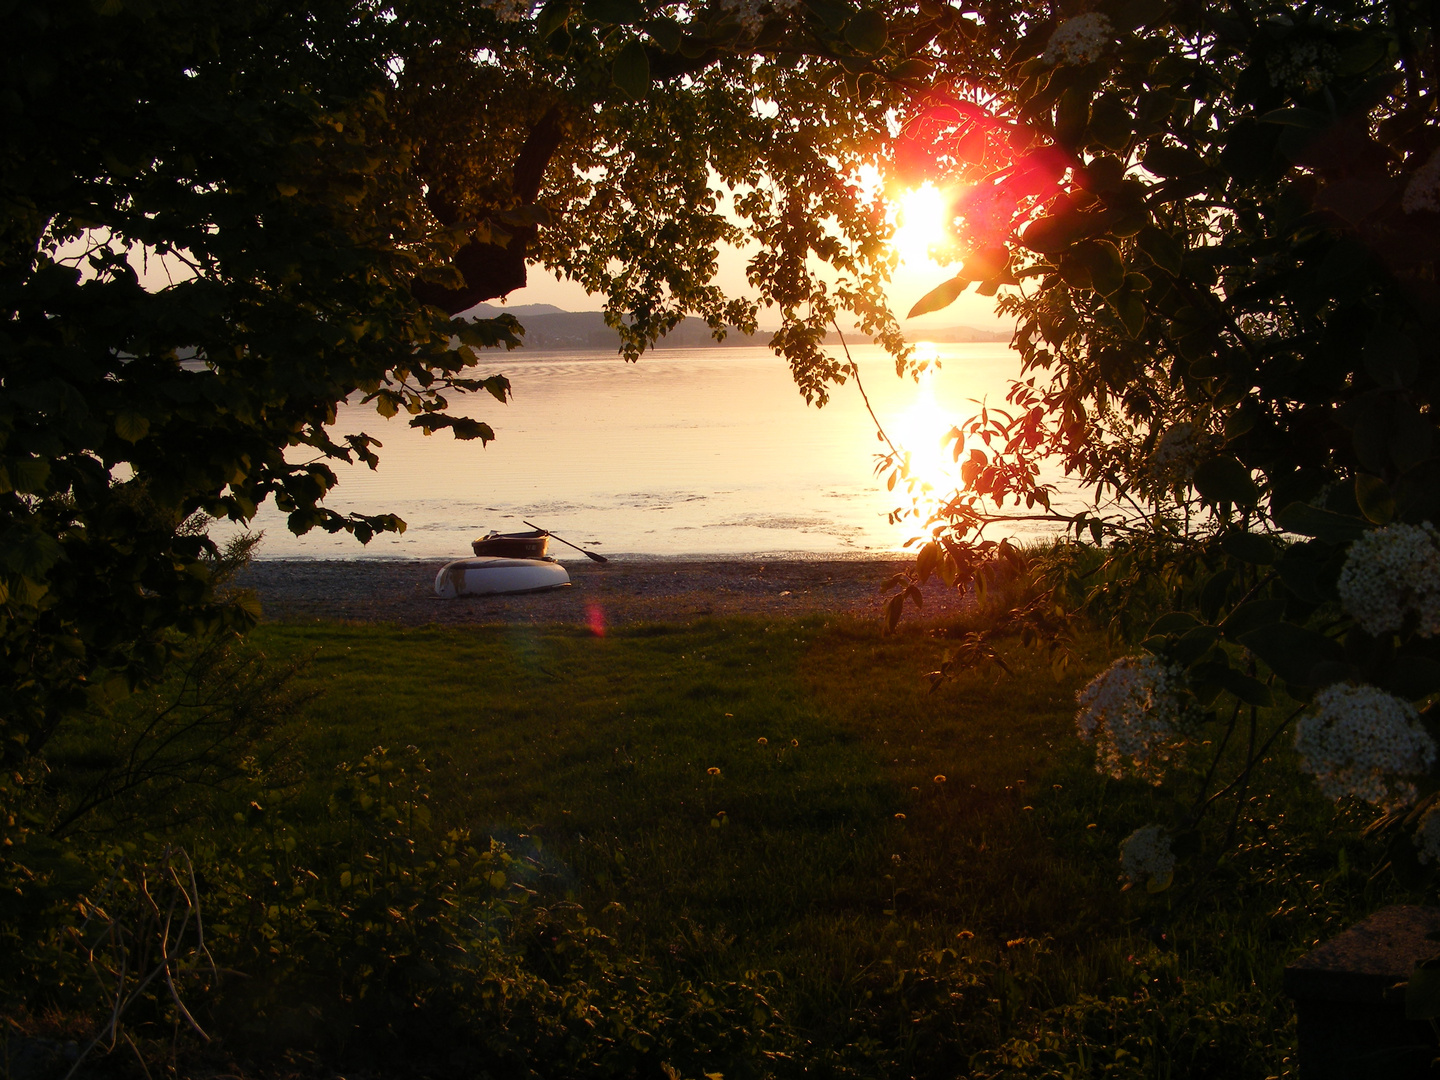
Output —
(921, 224)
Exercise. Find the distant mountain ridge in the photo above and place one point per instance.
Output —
(551, 329)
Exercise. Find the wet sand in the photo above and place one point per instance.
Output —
(621, 592)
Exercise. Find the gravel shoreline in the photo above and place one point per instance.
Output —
(618, 593)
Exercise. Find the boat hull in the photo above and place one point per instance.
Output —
(495, 577)
(526, 545)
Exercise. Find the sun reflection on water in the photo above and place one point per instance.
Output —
(919, 433)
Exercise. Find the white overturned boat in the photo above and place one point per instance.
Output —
(493, 576)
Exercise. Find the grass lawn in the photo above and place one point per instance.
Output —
(926, 882)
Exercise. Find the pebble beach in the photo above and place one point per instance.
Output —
(622, 592)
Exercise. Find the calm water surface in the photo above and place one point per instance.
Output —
(688, 452)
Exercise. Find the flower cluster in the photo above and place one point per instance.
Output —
(1391, 573)
(1302, 66)
(1362, 741)
(750, 14)
(1145, 858)
(1079, 40)
(1131, 711)
(1423, 190)
(1427, 835)
(509, 10)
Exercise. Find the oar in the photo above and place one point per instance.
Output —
(588, 554)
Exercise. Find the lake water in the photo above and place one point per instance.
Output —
(688, 452)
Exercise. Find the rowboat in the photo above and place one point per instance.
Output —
(490, 576)
(521, 545)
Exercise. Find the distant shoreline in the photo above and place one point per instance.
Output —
(549, 329)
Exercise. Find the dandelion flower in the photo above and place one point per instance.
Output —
(713, 771)
(940, 779)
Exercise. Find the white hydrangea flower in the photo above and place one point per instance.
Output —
(1423, 190)
(1391, 573)
(1362, 741)
(1301, 67)
(509, 10)
(1130, 711)
(1079, 40)
(1146, 858)
(1427, 835)
(751, 13)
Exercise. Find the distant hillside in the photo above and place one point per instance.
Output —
(548, 329)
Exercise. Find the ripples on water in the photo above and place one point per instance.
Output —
(688, 452)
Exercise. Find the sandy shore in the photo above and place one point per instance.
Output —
(621, 592)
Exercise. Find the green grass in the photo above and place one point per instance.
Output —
(905, 925)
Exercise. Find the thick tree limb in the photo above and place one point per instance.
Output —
(493, 270)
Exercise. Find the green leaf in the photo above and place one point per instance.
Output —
(552, 17)
(1072, 115)
(1306, 520)
(1374, 498)
(632, 70)
(1292, 652)
(1309, 570)
(1249, 547)
(1172, 161)
(1162, 248)
(913, 70)
(1416, 491)
(1252, 616)
(614, 12)
(1422, 994)
(666, 33)
(1173, 622)
(1101, 259)
(1052, 235)
(942, 296)
(866, 32)
(1309, 119)
(1111, 124)
(131, 426)
(1194, 644)
(29, 475)
(1249, 690)
(1131, 310)
(1225, 480)
(33, 555)
(1364, 54)
(1391, 358)
(1412, 677)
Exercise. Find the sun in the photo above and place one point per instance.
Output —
(921, 224)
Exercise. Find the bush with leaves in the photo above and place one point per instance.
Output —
(354, 930)
(1218, 229)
